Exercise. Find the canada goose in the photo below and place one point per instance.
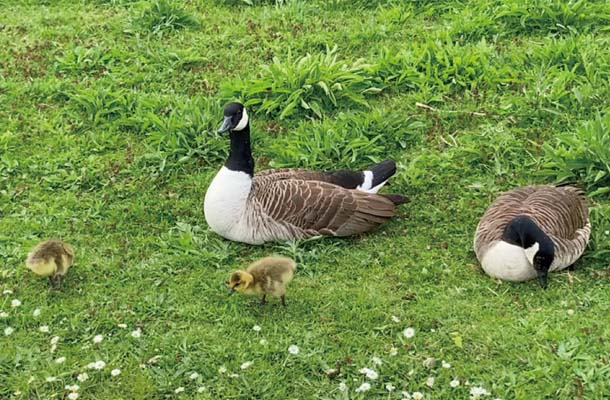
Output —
(269, 275)
(532, 230)
(51, 258)
(283, 204)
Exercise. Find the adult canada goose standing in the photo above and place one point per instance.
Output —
(282, 204)
(530, 231)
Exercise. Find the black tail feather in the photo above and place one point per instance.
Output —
(382, 171)
(396, 198)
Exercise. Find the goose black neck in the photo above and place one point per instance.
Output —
(240, 155)
(523, 231)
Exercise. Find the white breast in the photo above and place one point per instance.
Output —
(507, 262)
(225, 202)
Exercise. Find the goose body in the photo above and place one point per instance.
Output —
(530, 231)
(283, 204)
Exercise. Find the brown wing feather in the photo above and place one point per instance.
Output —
(321, 207)
(501, 211)
(277, 174)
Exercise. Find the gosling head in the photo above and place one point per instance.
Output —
(240, 281)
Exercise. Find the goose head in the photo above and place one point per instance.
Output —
(240, 281)
(235, 118)
(537, 245)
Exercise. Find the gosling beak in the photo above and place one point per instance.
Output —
(231, 291)
(543, 280)
(226, 125)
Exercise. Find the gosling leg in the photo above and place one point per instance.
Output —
(283, 298)
(264, 300)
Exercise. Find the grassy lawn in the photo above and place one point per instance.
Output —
(108, 117)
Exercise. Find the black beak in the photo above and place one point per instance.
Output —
(543, 280)
(231, 291)
(226, 125)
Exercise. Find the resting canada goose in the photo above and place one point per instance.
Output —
(51, 259)
(269, 275)
(282, 204)
(532, 230)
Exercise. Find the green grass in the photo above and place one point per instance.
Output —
(107, 139)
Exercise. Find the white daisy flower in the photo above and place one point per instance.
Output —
(570, 312)
(193, 376)
(73, 396)
(376, 360)
(478, 391)
(364, 387)
(293, 349)
(409, 333)
(7, 291)
(429, 362)
(8, 331)
(430, 381)
(82, 377)
(222, 370)
(50, 379)
(201, 389)
(417, 396)
(246, 365)
(115, 372)
(179, 390)
(72, 388)
(256, 328)
(3, 314)
(137, 333)
(15, 303)
(393, 351)
(99, 364)
(395, 319)
(262, 342)
(44, 329)
(60, 360)
(454, 383)
(607, 233)
(342, 387)
(389, 387)
(98, 339)
(371, 374)
(122, 326)
(234, 376)
(406, 395)
(55, 340)
(36, 312)
(446, 365)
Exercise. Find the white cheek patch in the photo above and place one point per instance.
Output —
(243, 121)
(531, 251)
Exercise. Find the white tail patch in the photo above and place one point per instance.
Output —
(531, 251)
(243, 121)
(367, 185)
(368, 182)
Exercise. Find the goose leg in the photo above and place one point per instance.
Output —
(283, 298)
(264, 300)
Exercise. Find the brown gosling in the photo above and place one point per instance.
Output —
(269, 275)
(51, 259)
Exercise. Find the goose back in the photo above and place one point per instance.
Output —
(288, 208)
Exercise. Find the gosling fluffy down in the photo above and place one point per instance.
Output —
(269, 275)
(51, 259)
